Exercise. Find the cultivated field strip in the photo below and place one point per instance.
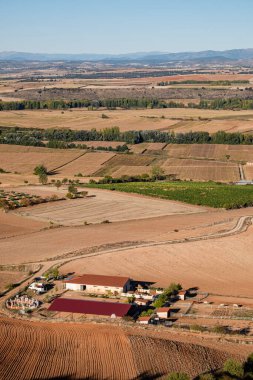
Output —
(105, 205)
(211, 151)
(87, 164)
(24, 159)
(40, 350)
(131, 170)
(248, 172)
(78, 351)
(205, 173)
(163, 356)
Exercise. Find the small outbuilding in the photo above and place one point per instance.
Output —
(144, 320)
(182, 295)
(163, 312)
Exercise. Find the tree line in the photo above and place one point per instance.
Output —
(66, 138)
(126, 103)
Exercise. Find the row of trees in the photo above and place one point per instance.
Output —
(126, 103)
(66, 138)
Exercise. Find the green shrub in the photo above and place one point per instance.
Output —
(233, 368)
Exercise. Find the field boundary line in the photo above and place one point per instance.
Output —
(69, 162)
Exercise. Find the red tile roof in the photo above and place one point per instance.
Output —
(144, 318)
(90, 307)
(95, 279)
(162, 309)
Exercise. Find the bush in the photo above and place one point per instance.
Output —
(197, 328)
(234, 368)
(40, 170)
(220, 329)
(248, 366)
(178, 376)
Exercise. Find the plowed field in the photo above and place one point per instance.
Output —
(202, 170)
(77, 351)
(105, 205)
(212, 151)
(248, 172)
(87, 164)
(23, 159)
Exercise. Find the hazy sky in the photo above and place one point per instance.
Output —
(119, 26)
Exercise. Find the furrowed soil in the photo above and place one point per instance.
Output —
(32, 350)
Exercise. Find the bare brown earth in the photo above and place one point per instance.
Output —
(209, 264)
(101, 352)
(222, 266)
(7, 278)
(13, 225)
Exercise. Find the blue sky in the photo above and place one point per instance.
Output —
(121, 26)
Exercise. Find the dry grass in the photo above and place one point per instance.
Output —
(23, 159)
(147, 119)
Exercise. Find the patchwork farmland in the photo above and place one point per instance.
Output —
(200, 162)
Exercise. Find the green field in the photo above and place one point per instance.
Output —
(198, 193)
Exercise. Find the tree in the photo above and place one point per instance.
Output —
(40, 169)
(58, 184)
(72, 189)
(233, 368)
(43, 178)
(178, 376)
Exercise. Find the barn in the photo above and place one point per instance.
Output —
(90, 307)
(93, 283)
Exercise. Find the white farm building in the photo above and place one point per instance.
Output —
(92, 283)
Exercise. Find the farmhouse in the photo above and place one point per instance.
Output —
(111, 309)
(163, 312)
(92, 283)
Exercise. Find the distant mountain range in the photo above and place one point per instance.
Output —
(149, 57)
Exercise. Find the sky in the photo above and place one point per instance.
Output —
(123, 26)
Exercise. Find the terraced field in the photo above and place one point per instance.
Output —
(73, 351)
